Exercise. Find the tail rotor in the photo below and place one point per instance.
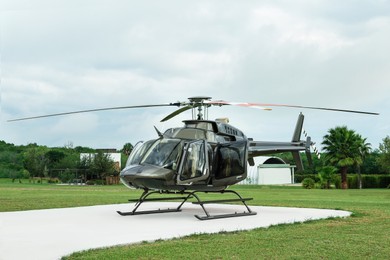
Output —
(310, 145)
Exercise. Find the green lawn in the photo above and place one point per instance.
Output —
(363, 236)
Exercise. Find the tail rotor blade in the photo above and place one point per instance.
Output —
(307, 151)
(310, 144)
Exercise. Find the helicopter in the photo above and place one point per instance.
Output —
(203, 156)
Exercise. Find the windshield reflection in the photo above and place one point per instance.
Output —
(164, 153)
(161, 152)
(138, 152)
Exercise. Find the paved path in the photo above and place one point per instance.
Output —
(52, 233)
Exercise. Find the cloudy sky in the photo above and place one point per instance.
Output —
(74, 55)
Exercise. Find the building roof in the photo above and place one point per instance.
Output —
(268, 160)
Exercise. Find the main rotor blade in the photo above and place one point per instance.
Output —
(93, 110)
(221, 103)
(241, 104)
(175, 113)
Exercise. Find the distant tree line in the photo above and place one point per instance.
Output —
(59, 163)
(344, 151)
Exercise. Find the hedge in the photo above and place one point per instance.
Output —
(368, 181)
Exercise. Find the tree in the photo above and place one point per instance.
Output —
(102, 165)
(127, 148)
(84, 166)
(363, 150)
(34, 160)
(53, 157)
(384, 154)
(371, 164)
(343, 148)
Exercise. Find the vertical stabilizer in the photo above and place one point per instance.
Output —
(298, 128)
(298, 160)
(296, 138)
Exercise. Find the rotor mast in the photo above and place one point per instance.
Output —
(199, 108)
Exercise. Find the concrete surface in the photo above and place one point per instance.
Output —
(53, 233)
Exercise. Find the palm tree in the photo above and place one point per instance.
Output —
(344, 148)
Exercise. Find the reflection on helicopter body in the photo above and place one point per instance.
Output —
(203, 155)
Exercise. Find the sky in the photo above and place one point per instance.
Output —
(75, 55)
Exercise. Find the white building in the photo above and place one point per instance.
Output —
(269, 170)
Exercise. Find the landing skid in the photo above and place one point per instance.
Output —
(208, 216)
(144, 198)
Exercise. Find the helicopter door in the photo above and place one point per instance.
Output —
(195, 163)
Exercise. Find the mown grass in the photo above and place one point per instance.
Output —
(26, 196)
(363, 236)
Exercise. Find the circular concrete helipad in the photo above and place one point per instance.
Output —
(53, 233)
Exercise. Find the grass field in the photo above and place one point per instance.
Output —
(363, 236)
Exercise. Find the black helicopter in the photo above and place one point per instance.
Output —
(202, 156)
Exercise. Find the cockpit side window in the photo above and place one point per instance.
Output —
(195, 162)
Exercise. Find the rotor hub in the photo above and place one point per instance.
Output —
(199, 99)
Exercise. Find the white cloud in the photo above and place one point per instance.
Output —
(72, 56)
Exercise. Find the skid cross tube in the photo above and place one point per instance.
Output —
(144, 198)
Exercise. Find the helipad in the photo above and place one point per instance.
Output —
(53, 233)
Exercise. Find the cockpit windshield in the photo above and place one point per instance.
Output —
(164, 153)
(138, 152)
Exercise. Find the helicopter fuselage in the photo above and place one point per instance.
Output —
(203, 155)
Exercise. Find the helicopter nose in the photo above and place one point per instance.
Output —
(151, 176)
(131, 170)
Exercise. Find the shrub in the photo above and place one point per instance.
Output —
(52, 181)
(326, 175)
(308, 183)
(100, 182)
(66, 176)
(298, 178)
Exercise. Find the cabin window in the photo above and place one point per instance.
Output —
(231, 160)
